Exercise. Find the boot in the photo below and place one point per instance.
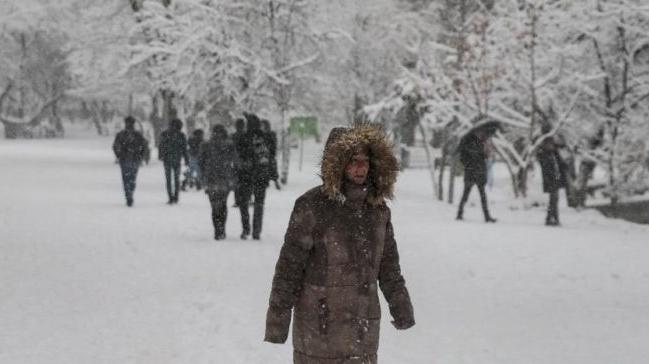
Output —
(552, 222)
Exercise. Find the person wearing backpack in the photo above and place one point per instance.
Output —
(256, 158)
(130, 149)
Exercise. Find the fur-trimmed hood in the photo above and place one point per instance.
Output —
(383, 165)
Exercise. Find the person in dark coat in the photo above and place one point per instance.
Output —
(339, 243)
(254, 175)
(171, 150)
(554, 174)
(239, 140)
(193, 173)
(474, 158)
(218, 159)
(130, 149)
(272, 141)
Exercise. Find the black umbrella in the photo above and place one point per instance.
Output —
(489, 126)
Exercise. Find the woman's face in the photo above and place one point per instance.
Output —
(358, 167)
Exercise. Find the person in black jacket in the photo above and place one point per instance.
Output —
(254, 175)
(474, 158)
(173, 148)
(554, 175)
(130, 148)
(193, 172)
(218, 159)
(271, 137)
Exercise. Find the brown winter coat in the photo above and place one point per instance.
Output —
(339, 242)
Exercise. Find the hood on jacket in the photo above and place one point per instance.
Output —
(383, 165)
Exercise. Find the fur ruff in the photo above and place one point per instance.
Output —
(383, 165)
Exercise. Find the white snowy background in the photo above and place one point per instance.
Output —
(84, 279)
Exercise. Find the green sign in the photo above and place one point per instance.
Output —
(304, 125)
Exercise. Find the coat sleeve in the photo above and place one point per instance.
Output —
(392, 283)
(289, 272)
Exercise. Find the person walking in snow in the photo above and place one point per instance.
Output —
(218, 159)
(554, 176)
(193, 173)
(255, 155)
(239, 140)
(171, 150)
(339, 243)
(474, 158)
(130, 149)
(271, 137)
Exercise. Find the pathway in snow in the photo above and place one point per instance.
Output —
(83, 279)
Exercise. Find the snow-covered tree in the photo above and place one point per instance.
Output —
(442, 79)
(280, 38)
(34, 67)
(540, 81)
(614, 36)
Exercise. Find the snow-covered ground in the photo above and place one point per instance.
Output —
(84, 279)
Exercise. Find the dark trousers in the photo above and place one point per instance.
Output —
(483, 199)
(219, 200)
(129, 175)
(173, 184)
(553, 208)
(247, 190)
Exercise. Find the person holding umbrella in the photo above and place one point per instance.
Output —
(474, 159)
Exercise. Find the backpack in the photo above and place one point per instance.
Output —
(260, 151)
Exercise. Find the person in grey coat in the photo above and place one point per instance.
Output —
(218, 160)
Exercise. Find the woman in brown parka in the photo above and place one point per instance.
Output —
(339, 242)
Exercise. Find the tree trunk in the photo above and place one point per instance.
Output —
(451, 178)
(429, 159)
(155, 119)
(58, 125)
(286, 149)
(169, 111)
(521, 180)
(22, 91)
(129, 111)
(442, 169)
(96, 118)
